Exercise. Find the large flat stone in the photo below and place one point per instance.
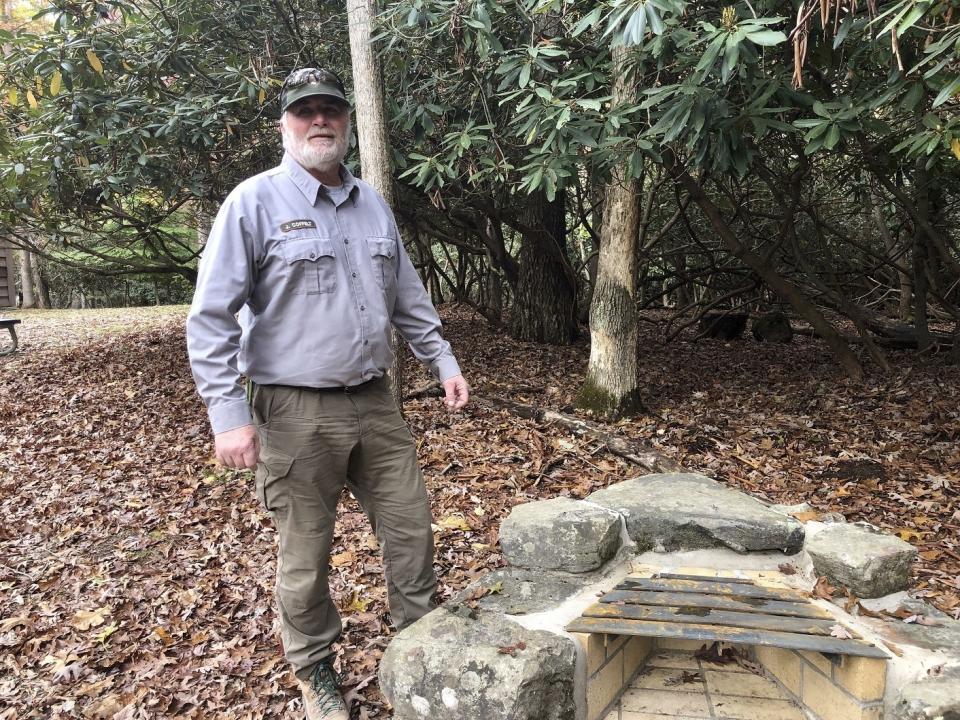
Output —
(868, 562)
(518, 591)
(559, 534)
(468, 664)
(686, 511)
(933, 698)
(942, 637)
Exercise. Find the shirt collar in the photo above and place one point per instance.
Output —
(308, 184)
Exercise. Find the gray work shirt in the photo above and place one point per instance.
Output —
(317, 284)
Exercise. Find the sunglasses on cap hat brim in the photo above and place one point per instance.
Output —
(310, 82)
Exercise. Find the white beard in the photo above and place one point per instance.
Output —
(324, 157)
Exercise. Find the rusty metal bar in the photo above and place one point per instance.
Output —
(769, 638)
(694, 615)
(712, 587)
(681, 576)
(716, 602)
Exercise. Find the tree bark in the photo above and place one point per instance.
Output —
(875, 211)
(922, 205)
(372, 129)
(368, 98)
(776, 282)
(42, 286)
(611, 387)
(26, 279)
(544, 308)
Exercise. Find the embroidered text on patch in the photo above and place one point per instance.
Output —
(297, 225)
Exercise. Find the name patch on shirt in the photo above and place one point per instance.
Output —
(297, 225)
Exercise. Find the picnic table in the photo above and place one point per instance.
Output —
(9, 324)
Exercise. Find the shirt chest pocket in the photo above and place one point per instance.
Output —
(383, 255)
(312, 265)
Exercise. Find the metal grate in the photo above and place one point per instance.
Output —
(690, 607)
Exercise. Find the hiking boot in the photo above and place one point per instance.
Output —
(321, 694)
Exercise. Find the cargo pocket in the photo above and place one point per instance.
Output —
(273, 467)
(313, 265)
(383, 254)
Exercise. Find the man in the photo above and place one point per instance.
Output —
(312, 260)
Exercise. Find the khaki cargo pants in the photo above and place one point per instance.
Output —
(313, 443)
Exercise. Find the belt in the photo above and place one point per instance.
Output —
(348, 389)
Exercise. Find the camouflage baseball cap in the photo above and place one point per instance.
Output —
(310, 81)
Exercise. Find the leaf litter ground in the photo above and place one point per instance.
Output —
(136, 576)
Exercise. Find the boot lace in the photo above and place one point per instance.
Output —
(326, 684)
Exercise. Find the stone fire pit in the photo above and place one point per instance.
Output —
(499, 650)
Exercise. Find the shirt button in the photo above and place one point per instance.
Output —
(353, 274)
(346, 241)
(312, 255)
(366, 342)
(362, 307)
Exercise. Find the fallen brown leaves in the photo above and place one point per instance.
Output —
(684, 678)
(136, 577)
(721, 654)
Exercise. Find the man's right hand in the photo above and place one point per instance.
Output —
(238, 448)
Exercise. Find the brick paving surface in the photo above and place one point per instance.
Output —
(675, 684)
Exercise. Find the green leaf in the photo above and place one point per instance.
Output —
(818, 131)
(653, 18)
(635, 28)
(587, 21)
(890, 25)
(483, 16)
(766, 37)
(913, 96)
(841, 35)
(524, 75)
(915, 14)
(731, 54)
(710, 56)
(947, 92)
(832, 138)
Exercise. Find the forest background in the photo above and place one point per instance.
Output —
(593, 192)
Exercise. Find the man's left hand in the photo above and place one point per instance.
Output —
(456, 392)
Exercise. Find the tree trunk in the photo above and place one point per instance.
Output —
(372, 129)
(493, 238)
(611, 388)
(890, 245)
(26, 279)
(776, 282)
(544, 308)
(204, 220)
(685, 290)
(494, 294)
(368, 96)
(593, 258)
(42, 286)
(922, 205)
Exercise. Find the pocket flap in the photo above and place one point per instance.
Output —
(307, 249)
(387, 247)
(275, 463)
